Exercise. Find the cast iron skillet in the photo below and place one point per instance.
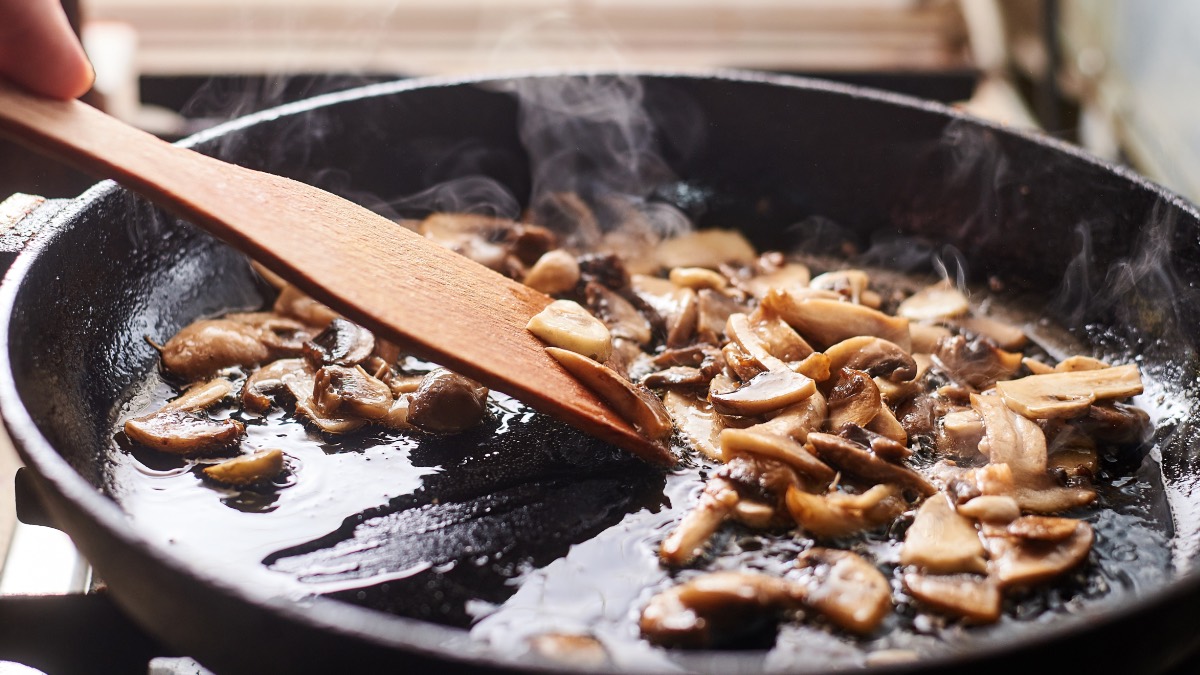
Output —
(1036, 216)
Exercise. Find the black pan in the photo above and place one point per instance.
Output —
(791, 162)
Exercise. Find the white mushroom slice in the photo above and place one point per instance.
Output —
(1010, 438)
(766, 392)
(269, 380)
(971, 597)
(753, 442)
(827, 322)
(875, 356)
(257, 467)
(846, 589)
(350, 392)
(1019, 561)
(701, 611)
(779, 338)
(556, 271)
(1006, 336)
(1042, 528)
(342, 343)
(959, 433)
(991, 509)
(1045, 496)
(697, 278)
(854, 399)
(183, 433)
(201, 395)
(925, 337)
(940, 301)
(744, 367)
(787, 276)
(849, 283)
(696, 421)
(566, 325)
(1067, 394)
(837, 514)
(797, 421)
(940, 541)
(856, 459)
(706, 248)
(634, 403)
(204, 347)
(294, 303)
(687, 540)
(1076, 363)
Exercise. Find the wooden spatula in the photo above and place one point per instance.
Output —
(437, 304)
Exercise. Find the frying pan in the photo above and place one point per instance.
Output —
(791, 162)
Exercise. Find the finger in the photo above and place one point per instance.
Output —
(39, 51)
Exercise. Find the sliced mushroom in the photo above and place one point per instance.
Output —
(342, 343)
(743, 366)
(712, 313)
(678, 376)
(1068, 394)
(687, 540)
(706, 248)
(1010, 438)
(696, 421)
(975, 598)
(759, 477)
(764, 393)
(839, 514)
(767, 339)
(697, 278)
(1115, 423)
(939, 301)
(350, 392)
(566, 325)
(282, 335)
(846, 589)
(705, 610)
(554, 272)
(1006, 336)
(886, 424)
(827, 322)
(875, 356)
(256, 467)
(798, 420)
(940, 541)
(991, 509)
(975, 363)
(294, 303)
(634, 403)
(621, 317)
(854, 399)
(1018, 560)
(447, 402)
(849, 283)
(781, 448)
(858, 460)
(1036, 367)
(201, 395)
(1075, 363)
(883, 446)
(815, 365)
(183, 433)
(677, 308)
(207, 346)
(271, 379)
(1037, 494)
(786, 276)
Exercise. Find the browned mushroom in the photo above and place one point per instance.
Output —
(764, 393)
(686, 541)
(1031, 553)
(712, 313)
(447, 402)
(634, 403)
(798, 420)
(1115, 423)
(282, 335)
(201, 395)
(256, 467)
(883, 446)
(939, 301)
(858, 460)
(294, 303)
(756, 442)
(705, 610)
(1010, 438)
(351, 392)
(622, 318)
(875, 356)
(849, 591)
(1068, 394)
(975, 363)
(940, 541)
(706, 248)
(839, 514)
(991, 509)
(271, 379)
(785, 276)
(342, 343)
(959, 433)
(696, 422)
(972, 597)
(676, 308)
(827, 322)
(183, 433)
(207, 346)
(854, 399)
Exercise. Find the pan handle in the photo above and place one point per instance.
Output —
(21, 217)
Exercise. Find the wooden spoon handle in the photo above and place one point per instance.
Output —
(437, 304)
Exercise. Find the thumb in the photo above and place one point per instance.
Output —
(39, 51)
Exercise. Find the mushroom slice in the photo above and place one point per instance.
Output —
(1006, 336)
(976, 363)
(939, 301)
(183, 433)
(706, 248)
(622, 318)
(270, 380)
(1076, 363)
(712, 313)
(330, 425)
(886, 424)
(797, 421)
(1042, 528)
(1010, 438)
(677, 308)
(883, 446)
(350, 392)
(1021, 561)
(1036, 367)
(859, 461)
(257, 467)
(677, 376)
(815, 365)
(708, 608)
(975, 598)
(991, 509)
(566, 325)
(634, 403)
(397, 415)
(940, 541)
(696, 421)
(852, 284)
(1068, 394)
(697, 278)
(685, 542)
(204, 347)
(342, 343)
(554, 272)
(838, 514)
(1046, 496)
(781, 448)
(294, 303)
(741, 365)
(282, 335)
(875, 356)
(846, 589)
(959, 433)
(854, 399)
(925, 337)
(786, 276)
(764, 393)
(767, 339)
(828, 322)
(201, 395)
(1116, 423)
(447, 402)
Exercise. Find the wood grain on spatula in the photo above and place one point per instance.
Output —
(439, 305)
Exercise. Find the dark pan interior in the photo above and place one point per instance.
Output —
(1114, 259)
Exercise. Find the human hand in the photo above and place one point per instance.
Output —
(39, 51)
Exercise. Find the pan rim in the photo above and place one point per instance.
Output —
(419, 636)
